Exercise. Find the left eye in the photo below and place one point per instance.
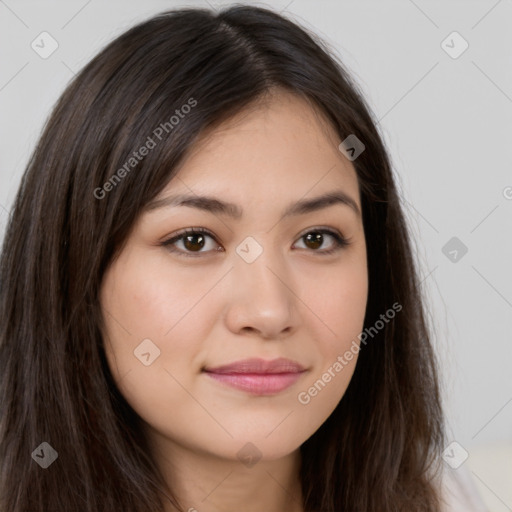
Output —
(194, 240)
(317, 237)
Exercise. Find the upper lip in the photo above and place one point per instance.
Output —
(261, 366)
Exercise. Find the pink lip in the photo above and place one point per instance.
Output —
(258, 376)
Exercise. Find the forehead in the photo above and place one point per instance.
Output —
(278, 148)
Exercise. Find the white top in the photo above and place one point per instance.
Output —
(459, 491)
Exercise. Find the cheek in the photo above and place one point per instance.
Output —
(140, 307)
(152, 308)
(149, 311)
(337, 299)
(337, 312)
(341, 303)
(149, 299)
(142, 300)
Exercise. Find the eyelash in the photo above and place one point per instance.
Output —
(340, 242)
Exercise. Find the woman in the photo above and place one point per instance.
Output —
(208, 288)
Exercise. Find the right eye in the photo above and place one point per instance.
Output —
(193, 240)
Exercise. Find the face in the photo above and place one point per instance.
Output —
(259, 285)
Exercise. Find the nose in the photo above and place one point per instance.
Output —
(262, 301)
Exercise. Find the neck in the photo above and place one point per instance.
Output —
(203, 482)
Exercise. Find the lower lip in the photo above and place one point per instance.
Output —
(257, 384)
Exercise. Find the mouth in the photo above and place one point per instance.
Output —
(257, 376)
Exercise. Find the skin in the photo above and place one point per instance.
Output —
(216, 308)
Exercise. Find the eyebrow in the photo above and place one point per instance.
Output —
(216, 206)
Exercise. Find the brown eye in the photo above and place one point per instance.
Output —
(316, 238)
(193, 240)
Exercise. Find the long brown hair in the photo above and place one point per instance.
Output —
(378, 451)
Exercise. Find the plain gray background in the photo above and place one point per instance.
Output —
(446, 120)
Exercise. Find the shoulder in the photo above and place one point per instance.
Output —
(459, 492)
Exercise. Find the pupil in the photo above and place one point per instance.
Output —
(191, 246)
(315, 239)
